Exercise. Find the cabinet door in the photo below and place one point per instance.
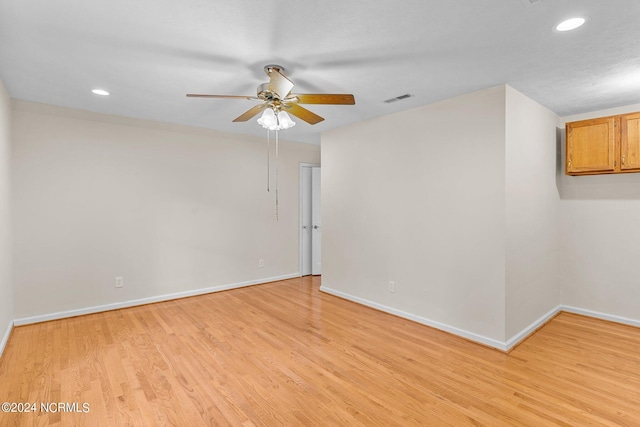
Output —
(630, 142)
(591, 146)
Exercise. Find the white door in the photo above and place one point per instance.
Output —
(310, 221)
(305, 221)
(316, 220)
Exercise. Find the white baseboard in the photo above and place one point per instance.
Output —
(504, 346)
(523, 334)
(149, 300)
(432, 323)
(5, 338)
(602, 316)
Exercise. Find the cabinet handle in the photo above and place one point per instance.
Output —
(623, 160)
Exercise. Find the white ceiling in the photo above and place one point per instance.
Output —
(150, 53)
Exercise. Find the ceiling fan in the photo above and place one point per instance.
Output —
(276, 95)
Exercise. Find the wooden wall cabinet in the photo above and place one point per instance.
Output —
(604, 145)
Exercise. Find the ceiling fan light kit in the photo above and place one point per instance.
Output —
(277, 97)
(270, 121)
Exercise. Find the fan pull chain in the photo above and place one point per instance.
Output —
(277, 149)
(268, 154)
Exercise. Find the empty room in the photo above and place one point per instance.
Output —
(319, 213)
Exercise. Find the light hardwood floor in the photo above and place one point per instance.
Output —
(286, 354)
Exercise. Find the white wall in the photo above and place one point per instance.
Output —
(601, 238)
(6, 264)
(457, 202)
(532, 212)
(418, 198)
(170, 208)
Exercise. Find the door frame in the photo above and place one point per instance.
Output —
(300, 249)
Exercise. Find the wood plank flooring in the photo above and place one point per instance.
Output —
(285, 354)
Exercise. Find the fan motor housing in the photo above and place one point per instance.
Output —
(265, 93)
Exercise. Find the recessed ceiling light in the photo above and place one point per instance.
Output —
(570, 24)
(100, 92)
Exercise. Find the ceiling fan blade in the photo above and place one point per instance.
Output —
(250, 113)
(279, 84)
(197, 95)
(323, 98)
(303, 114)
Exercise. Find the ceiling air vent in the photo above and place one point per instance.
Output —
(398, 98)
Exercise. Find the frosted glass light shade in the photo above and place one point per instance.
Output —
(268, 119)
(284, 121)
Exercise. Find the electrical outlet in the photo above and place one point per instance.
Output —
(119, 282)
(261, 263)
(392, 287)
